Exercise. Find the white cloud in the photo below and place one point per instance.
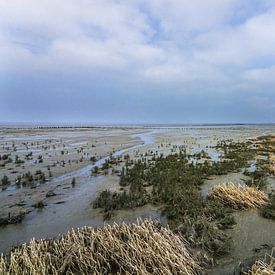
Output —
(178, 41)
(261, 76)
(179, 16)
(241, 44)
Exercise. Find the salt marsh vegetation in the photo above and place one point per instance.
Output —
(164, 170)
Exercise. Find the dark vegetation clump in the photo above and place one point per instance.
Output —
(12, 218)
(93, 159)
(50, 193)
(5, 159)
(31, 180)
(105, 165)
(173, 182)
(73, 182)
(40, 159)
(18, 160)
(111, 201)
(26, 179)
(5, 180)
(28, 156)
(268, 210)
(236, 155)
(258, 178)
(39, 176)
(95, 170)
(39, 205)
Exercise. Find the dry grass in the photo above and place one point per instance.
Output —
(239, 197)
(266, 267)
(272, 163)
(142, 248)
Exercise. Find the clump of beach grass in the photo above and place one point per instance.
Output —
(142, 248)
(264, 267)
(239, 196)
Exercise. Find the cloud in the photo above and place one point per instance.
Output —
(179, 47)
(240, 45)
(263, 75)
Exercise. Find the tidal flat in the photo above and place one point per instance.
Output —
(52, 177)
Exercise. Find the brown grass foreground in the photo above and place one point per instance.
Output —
(239, 197)
(142, 248)
(265, 267)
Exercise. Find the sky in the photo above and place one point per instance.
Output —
(137, 61)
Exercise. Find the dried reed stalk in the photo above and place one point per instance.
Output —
(265, 267)
(142, 248)
(239, 197)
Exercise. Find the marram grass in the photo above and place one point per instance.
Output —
(265, 267)
(238, 196)
(141, 248)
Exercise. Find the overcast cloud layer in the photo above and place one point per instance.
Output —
(137, 61)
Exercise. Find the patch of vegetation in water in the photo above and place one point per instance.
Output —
(12, 217)
(268, 211)
(258, 177)
(264, 169)
(111, 201)
(174, 182)
(268, 143)
(266, 147)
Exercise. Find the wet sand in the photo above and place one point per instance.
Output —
(63, 150)
(252, 237)
(71, 206)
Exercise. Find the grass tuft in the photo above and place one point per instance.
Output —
(142, 248)
(238, 196)
(264, 267)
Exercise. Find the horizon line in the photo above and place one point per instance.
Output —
(96, 124)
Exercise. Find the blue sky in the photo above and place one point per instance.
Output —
(137, 61)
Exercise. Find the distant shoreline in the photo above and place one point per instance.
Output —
(145, 125)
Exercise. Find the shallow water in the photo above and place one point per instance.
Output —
(76, 211)
(146, 138)
(208, 185)
(251, 237)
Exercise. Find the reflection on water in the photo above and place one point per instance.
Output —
(251, 238)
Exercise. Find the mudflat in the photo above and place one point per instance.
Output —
(51, 178)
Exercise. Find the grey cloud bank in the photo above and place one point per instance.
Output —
(137, 61)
